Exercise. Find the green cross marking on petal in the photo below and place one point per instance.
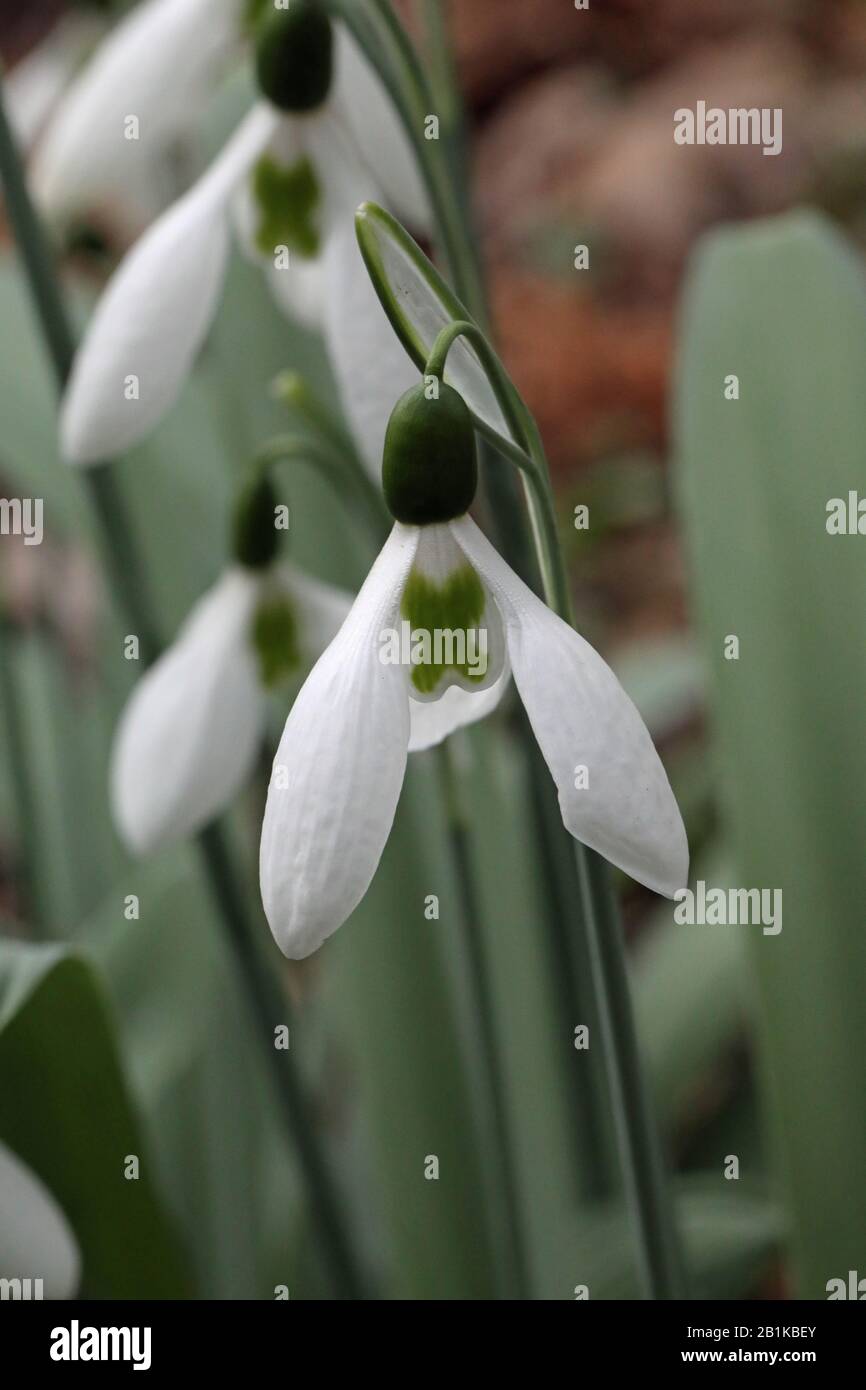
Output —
(457, 605)
(275, 639)
(287, 199)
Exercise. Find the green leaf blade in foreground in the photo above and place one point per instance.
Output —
(66, 1112)
(783, 305)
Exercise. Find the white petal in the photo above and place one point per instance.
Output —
(371, 366)
(189, 735)
(36, 83)
(321, 608)
(36, 1241)
(581, 716)
(299, 291)
(439, 557)
(157, 65)
(369, 114)
(433, 720)
(154, 314)
(339, 768)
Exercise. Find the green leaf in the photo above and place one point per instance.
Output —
(731, 1231)
(65, 1109)
(692, 998)
(783, 305)
(199, 1078)
(419, 304)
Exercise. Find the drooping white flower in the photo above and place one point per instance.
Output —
(36, 1241)
(189, 736)
(293, 181)
(155, 68)
(428, 646)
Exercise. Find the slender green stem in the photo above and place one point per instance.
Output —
(271, 1008)
(32, 903)
(118, 544)
(339, 468)
(517, 1278)
(640, 1145)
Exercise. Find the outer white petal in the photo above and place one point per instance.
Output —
(368, 112)
(433, 720)
(157, 65)
(189, 735)
(342, 758)
(582, 716)
(37, 82)
(321, 609)
(36, 1241)
(155, 311)
(371, 366)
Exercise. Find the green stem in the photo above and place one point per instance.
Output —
(640, 1145)
(516, 1279)
(339, 468)
(32, 904)
(121, 555)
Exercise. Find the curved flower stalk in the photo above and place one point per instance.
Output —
(36, 1241)
(340, 764)
(291, 176)
(188, 739)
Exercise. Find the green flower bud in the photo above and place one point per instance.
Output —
(294, 56)
(429, 468)
(255, 538)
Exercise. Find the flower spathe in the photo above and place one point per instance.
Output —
(340, 764)
(190, 733)
(156, 310)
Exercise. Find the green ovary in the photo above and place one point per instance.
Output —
(287, 199)
(455, 606)
(275, 640)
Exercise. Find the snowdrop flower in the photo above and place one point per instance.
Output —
(35, 1239)
(155, 69)
(293, 173)
(190, 734)
(339, 768)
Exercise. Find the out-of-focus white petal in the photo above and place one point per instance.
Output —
(583, 718)
(369, 114)
(298, 288)
(321, 609)
(36, 1241)
(339, 768)
(35, 84)
(157, 65)
(188, 737)
(432, 721)
(155, 311)
(370, 364)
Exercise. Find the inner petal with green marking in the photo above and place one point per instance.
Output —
(287, 200)
(275, 639)
(453, 629)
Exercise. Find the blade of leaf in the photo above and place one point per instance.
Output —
(783, 305)
(65, 1109)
